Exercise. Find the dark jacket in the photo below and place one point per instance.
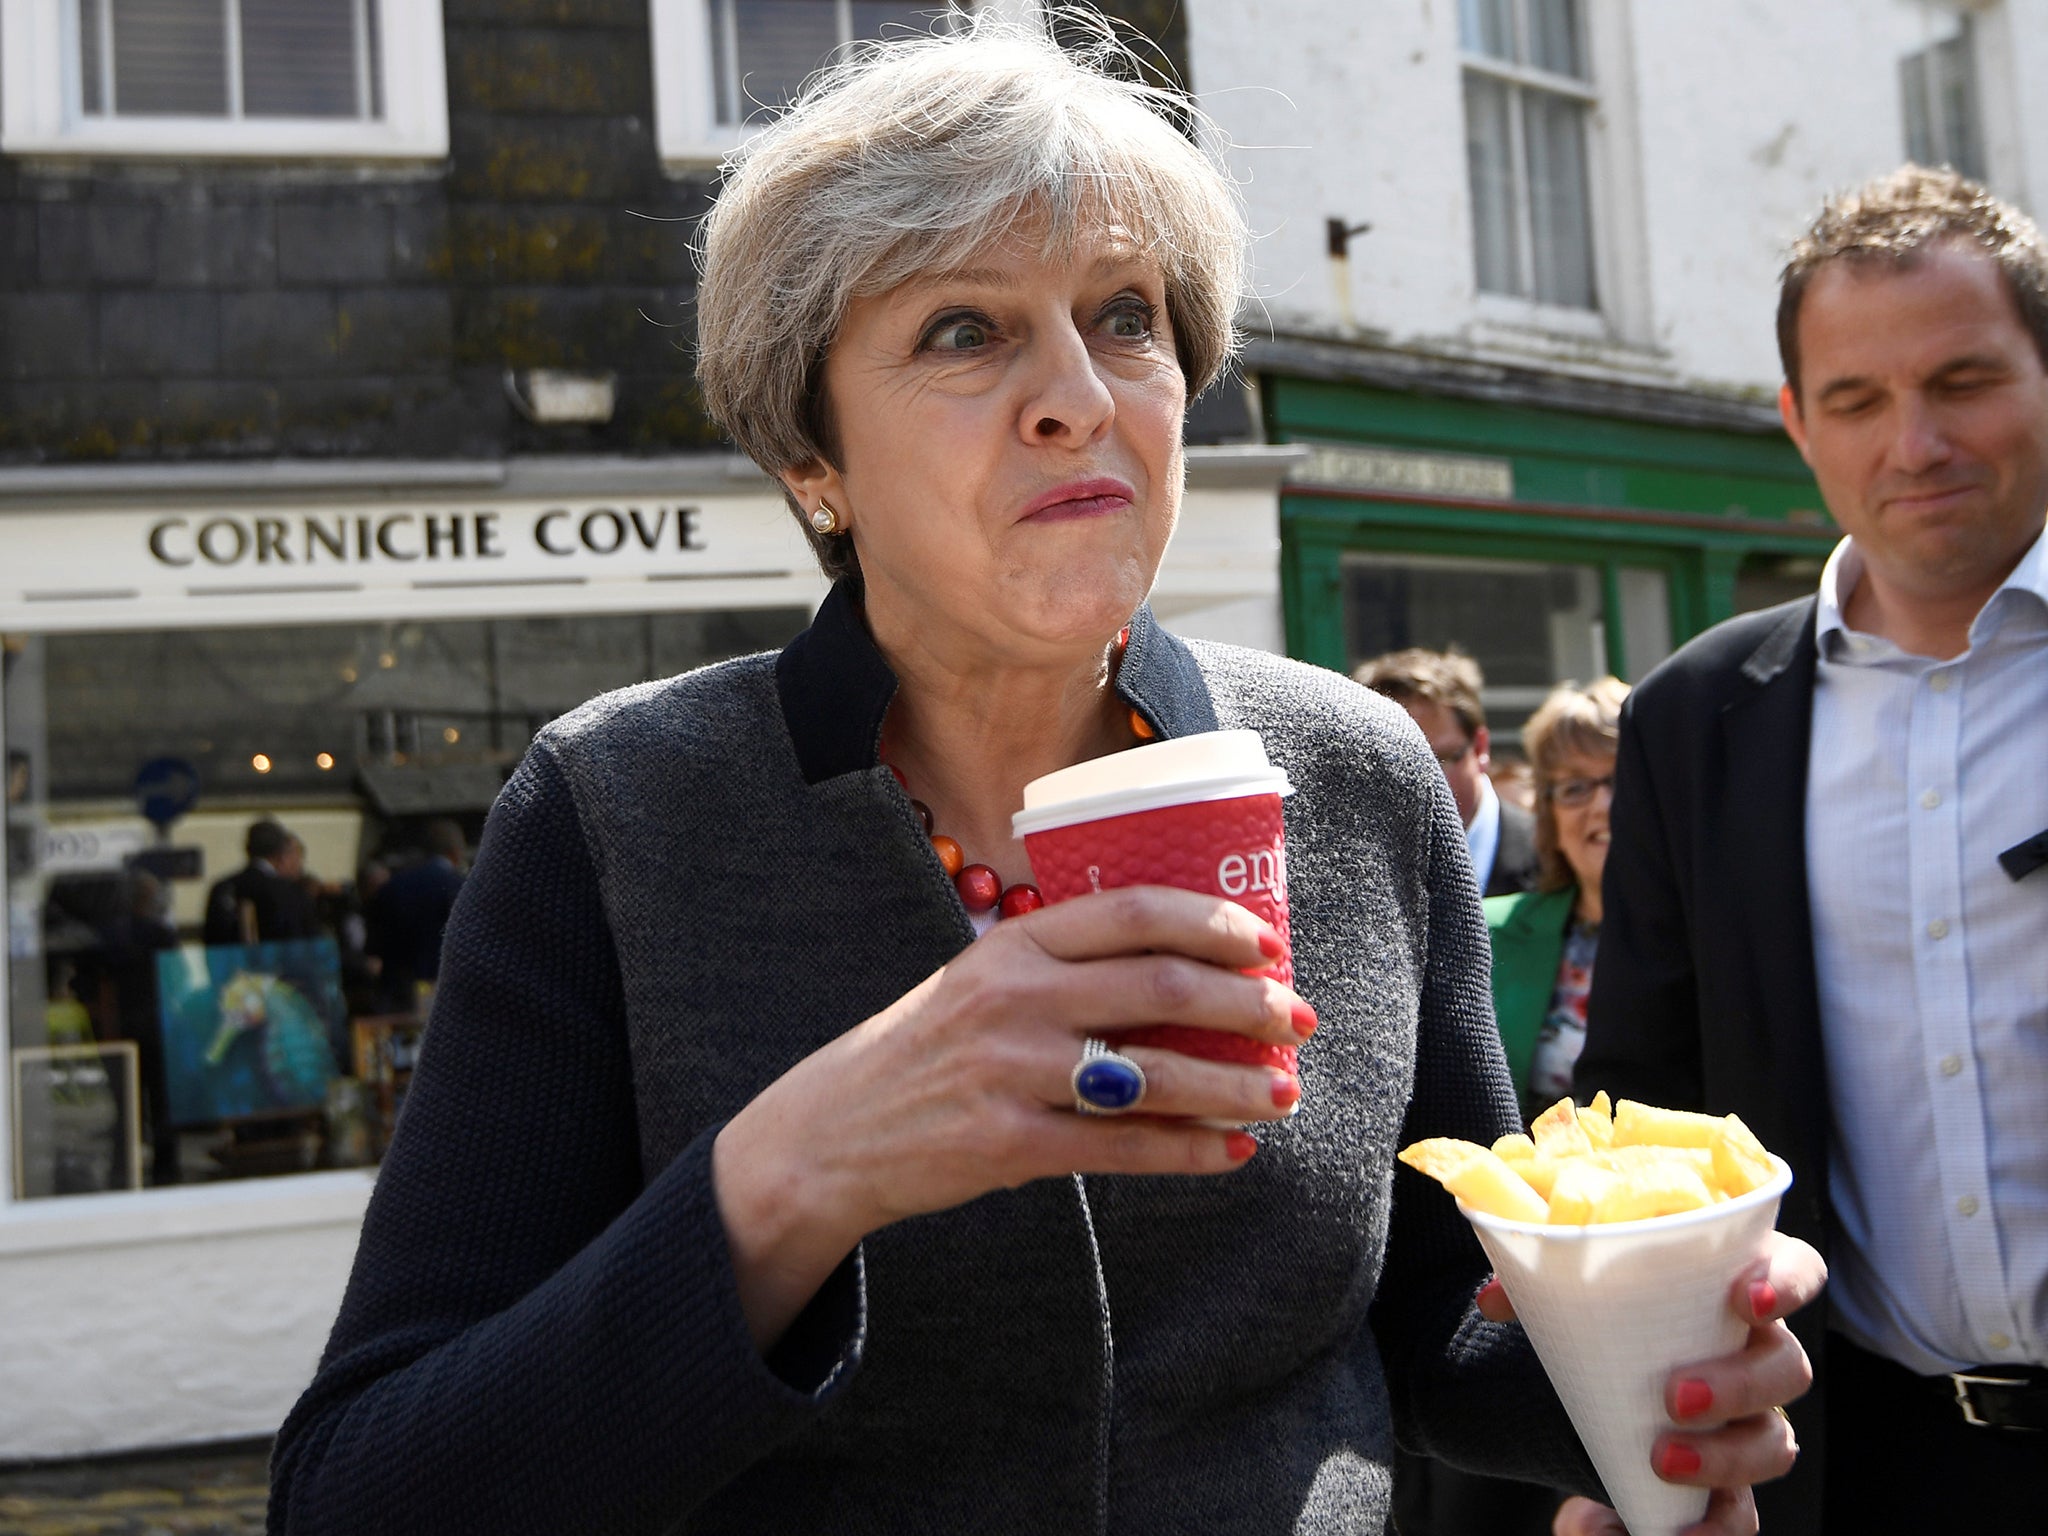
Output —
(542, 1333)
(283, 909)
(1704, 995)
(1515, 864)
(1528, 932)
(405, 920)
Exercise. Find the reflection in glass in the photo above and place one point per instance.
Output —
(248, 967)
(1559, 214)
(1489, 157)
(299, 58)
(1528, 625)
(778, 43)
(1554, 36)
(170, 56)
(1488, 27)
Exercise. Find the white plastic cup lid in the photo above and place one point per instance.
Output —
(1216, 765)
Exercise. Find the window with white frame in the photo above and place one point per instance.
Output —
(1529, 98)
(271, 78)
(1938, 87)
(724, 67)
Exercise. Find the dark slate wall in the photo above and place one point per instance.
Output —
(175, 312)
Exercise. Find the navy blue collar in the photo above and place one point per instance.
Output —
(835, 686)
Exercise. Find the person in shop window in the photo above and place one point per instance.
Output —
(408, 913)
(264, 901)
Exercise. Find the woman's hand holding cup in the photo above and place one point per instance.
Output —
(965, 1084)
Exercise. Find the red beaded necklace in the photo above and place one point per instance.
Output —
(980, 887)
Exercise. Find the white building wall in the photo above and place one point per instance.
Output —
(1721, 127)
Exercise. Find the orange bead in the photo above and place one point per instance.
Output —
(950, 853)
(1141, 727)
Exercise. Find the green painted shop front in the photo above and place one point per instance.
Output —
(1548, 543)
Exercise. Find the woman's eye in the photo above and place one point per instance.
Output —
(958, 335)
(1130, 321)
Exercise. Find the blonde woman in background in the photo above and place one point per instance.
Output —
(1544, 940)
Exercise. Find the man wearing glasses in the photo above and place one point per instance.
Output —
(1821, 912)
(1440, 690)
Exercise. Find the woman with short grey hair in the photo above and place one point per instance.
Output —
(750, 1179)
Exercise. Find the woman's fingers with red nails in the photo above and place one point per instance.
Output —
(1493, 1302)
(1789, 1276)
(1730, 1512)
(1578, 1516)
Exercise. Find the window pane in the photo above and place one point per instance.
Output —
(1554, 36)
(882, 18)
(1488, 27)
(89, 60)
(1956, 94)
(1645, 619)
(299, 58)
(779, 42)
(170, 56)
(1529, 626)
(1920, 145)
(1561, 226)
(1489, 158)
(366, 732)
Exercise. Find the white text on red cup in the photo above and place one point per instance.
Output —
(1263, 869)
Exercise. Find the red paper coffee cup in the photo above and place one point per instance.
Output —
(1198, 812)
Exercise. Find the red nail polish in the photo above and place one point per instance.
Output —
(1693, 1398)
(1677, 1460)
(1286, 1091)
(1271, 945)
(1239, 1145)
(1303, 1018)
(1763, 1299)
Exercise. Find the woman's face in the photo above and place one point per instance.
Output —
(1581, 794)
(1009, 439)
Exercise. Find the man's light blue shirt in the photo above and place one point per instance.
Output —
(1932, 966)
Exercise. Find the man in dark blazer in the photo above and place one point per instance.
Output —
(263, 901)
(1802, 803)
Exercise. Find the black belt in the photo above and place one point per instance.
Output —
(1999, 1396)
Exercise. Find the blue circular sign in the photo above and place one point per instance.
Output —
(166, 788)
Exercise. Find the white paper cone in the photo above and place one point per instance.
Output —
(1613, 1309)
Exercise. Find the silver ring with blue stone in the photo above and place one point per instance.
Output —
(1106, 1082)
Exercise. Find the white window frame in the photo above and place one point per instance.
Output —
(1620, 244)
(42, 111)
(686, 127)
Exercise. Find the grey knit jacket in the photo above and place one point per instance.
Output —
(688, 887)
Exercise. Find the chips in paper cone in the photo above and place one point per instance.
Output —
(1646, 1221)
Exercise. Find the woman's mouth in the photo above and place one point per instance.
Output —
(1078, 499)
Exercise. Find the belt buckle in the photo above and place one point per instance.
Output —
(1963, 1382)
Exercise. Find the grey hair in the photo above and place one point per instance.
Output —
(912, 155)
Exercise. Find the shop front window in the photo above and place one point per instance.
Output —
(229, 855)
(1528, 625)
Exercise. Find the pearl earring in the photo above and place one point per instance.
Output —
(825, 520)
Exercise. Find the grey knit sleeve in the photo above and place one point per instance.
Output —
(1466, 1391)
(536, 1336)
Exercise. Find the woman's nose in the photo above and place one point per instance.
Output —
(1067, 401)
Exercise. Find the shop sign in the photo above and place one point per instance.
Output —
(1357, 467)
(245, 550)
(90, 849)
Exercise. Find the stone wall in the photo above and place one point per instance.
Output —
(155, 312)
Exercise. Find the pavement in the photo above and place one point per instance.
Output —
(214, 1491)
